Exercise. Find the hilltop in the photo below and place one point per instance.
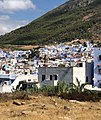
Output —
(75, 19)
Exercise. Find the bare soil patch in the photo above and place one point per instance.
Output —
(40, 107)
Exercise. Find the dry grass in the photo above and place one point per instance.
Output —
(50, 108)
(18, 47)
(28, 47)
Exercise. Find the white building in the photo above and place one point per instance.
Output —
(8, 83)
(97, 67)
(83, 71)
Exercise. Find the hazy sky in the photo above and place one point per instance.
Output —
(17, 13)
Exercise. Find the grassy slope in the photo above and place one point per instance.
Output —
(61, 24)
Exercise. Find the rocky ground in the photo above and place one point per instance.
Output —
(49, 108)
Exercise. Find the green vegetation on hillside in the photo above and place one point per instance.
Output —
(60, 25)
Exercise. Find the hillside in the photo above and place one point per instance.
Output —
(76, 19)
(49, 108)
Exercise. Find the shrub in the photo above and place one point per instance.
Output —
(61, 87)
(48, 90)
(4, 97)
(23, 95)
(32, 89)
(84, 96)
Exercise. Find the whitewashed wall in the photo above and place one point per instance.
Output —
(97, 77)
(80, 74)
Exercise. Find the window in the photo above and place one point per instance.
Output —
(55, 77)
(80, 64)
(99, 57)
(51, 77)
(99, 71)
(43, 77)
(86, 78)
(99, 85)
(29, 80)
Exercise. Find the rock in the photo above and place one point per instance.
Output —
(93, 108)
(43, 107)
(35, 97)
(55, 103)
(27, 112)
(17, 103)
(64, 118)
(53, 99)
(23, 103)
(78, 102)
(66, 108)
(33, 104)
(98, 108)
(90, 108)
(15, 113)
(43, 112)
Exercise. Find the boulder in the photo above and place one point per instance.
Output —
(66, 108)
(17, 103)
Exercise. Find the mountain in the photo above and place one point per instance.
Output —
(75, 19)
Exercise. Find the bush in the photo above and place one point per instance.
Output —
(22, 95)
(62, 87)
(4, 97)
(48, 90)
(84, 96)
(32, 89)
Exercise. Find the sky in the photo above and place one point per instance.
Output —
(17, 13)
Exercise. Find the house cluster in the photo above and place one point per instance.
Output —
(66, 63)
(62, 54)
(13, 65)
(53, 64)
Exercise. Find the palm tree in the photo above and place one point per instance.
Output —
(76, 88)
